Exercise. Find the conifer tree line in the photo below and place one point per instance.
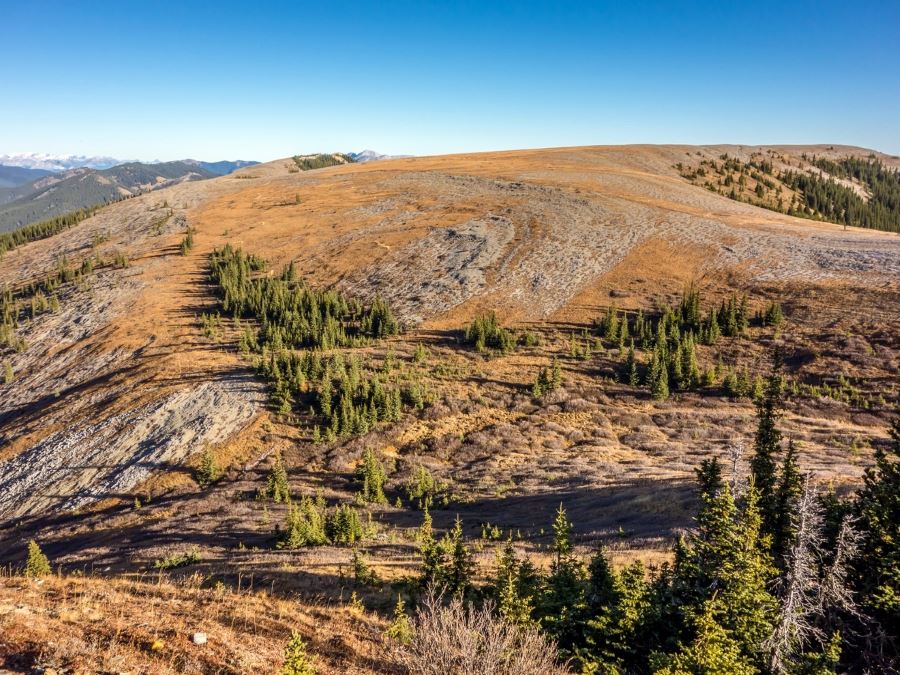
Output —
(823, 197)
(292, 328)
(44, 228)
(774, 577)
(812, 195)
(320, 161)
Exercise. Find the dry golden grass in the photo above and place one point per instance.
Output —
(83, 624)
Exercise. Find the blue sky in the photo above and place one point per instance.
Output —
(260, 80)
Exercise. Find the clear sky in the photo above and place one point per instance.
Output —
(261, 80)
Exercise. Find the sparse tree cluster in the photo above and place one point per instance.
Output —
(548, 379)
(310, 522)
(346, 396)
(671, 339)
(485, 333)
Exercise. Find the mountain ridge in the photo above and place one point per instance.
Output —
(58, 193)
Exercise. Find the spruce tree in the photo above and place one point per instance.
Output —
(605, 629)
(513, 604)
(631, 369)
(400, 628)
(877, 508)
(724, 560)
(460, 566)
(790, 490)
(432, 553)
(713, 651)
(767, 446)
(208, 471)
(370, 478)
(659, 377)
(564, 604)
(277, 487)
(555, 374)
(37, 564)
(296, 660)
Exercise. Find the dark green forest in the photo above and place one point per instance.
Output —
(320, 161)
(44, 229)
(840, 204)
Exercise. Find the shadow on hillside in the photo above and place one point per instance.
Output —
(177, 521)
(642, 510)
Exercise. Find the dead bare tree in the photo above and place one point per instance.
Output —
(736, 451)
(836, 592)
(812, 593)
(800, 592)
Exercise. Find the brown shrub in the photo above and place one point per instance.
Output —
(458, 638)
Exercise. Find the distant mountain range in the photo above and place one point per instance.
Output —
(38, 186)
(57, 193)
(56, 163)
(60, 163)
(371, 156)
(223, 167)
(13, 176)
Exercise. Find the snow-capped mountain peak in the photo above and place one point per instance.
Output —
(49, 162)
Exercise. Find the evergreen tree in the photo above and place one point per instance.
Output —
(790, 489)
(555, 374)
(630, 374)
(767, 446)
(343, 526)
(277, 487)
(689, 366)
(433, 555)
(512, 597)
(709, 478)
(623, 332)
(400, 628)
(713, 651)
(542, 384)
(611, 324)
(296, 660)
(724, 560)
(457, 576)
(563, 605)
(605, 630)
(562, 534)
(712, 328)
(370, 478)
(208, 471)
(37, 564)
(659, 377)
(877, 508)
